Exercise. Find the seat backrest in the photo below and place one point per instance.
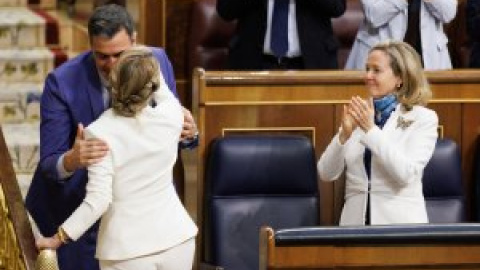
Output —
(253, 181)
(345, 29)
(442, 184)
(476, 180)
(209, 36)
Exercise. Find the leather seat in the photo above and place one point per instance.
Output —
(209, 37)
(476, 181)
(346, 27)
(443, 186)
(459, 43)
(254, 181)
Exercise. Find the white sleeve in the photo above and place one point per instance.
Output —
(443, 10)
(380, 12)
(97, 199)
(332, 162)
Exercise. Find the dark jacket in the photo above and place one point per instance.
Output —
(317, 41)
(473, 31)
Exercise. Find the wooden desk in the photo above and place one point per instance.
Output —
(372, 247)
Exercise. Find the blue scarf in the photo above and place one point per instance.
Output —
(384, 106)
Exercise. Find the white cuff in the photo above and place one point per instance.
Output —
(62, 172)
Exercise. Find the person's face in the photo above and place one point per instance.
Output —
(106, 51)
(379, 78)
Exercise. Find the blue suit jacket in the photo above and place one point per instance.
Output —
(72, 95)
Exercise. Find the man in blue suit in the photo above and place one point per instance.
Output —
(75, 95)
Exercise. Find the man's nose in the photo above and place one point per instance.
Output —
(369, 74)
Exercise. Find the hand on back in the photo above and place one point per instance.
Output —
(84, 152)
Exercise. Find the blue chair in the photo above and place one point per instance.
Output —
(255, 181)
(442, 184)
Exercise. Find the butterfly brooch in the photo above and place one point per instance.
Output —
(403, 123)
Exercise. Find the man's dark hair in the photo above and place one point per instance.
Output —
(108, 20)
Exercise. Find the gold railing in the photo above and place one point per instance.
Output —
(17, 244)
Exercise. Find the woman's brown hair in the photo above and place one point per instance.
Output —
(134, 78)
(406, 64)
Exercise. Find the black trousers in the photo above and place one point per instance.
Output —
(282, 63)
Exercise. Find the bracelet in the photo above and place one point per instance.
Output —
(62, 236)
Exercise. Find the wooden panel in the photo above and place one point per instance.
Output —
(152, 22)
(453, 256)
(448, 116)
(354, 254)
(165, 23)
(178, 22)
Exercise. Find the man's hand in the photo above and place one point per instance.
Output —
(84, 152)
(189, 127)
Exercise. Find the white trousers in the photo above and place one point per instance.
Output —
(179, 257)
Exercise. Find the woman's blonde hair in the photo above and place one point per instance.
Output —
(133, 79)
(406, 64)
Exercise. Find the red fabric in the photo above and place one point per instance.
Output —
(51, 27)
(59, 56)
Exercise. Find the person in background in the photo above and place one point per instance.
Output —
(143, 222)
(76, 94)
(417, 22)
(473, 31)
(282, 34)
(385, 141)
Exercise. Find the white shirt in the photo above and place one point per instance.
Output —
(293, 43)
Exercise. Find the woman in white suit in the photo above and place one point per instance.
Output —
(143, 223)
(388, 20)
(384, 142)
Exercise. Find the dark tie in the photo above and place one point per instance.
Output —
(412, 35)
(279, 36)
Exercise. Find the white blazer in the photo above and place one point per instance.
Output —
(132, 187)
(399, 155)
(387, 19)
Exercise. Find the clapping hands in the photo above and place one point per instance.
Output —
(357, 113)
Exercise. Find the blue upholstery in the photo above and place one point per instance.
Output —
(253, 181)
(442, 184)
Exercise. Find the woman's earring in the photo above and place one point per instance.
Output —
(399, 86)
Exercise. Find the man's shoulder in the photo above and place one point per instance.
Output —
(157, 49)
(75, 64)
(158, 52)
